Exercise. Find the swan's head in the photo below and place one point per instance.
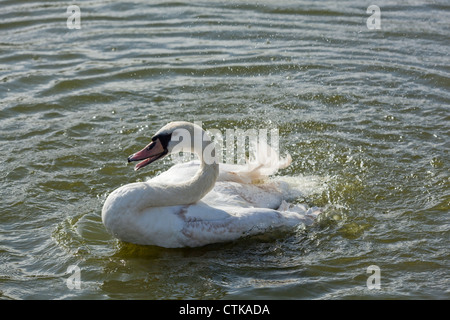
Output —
(174, 137)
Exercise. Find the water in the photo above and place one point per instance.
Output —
(363, 113)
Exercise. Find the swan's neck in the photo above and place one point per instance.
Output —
(198, 186)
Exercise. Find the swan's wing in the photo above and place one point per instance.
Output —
(166, 226)
(236, 222)
(201, 224)
(235, 194)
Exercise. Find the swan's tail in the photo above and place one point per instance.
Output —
(264, 162)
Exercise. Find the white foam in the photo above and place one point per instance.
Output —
(296, 187)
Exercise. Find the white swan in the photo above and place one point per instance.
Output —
(194, 204)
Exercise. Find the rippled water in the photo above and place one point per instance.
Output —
(364, 114)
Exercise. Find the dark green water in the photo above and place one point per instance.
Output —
(363, 113)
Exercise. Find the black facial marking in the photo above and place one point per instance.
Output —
(164, 138)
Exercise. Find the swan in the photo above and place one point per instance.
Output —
(199, 202)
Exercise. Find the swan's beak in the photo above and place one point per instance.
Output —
(150, 153)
